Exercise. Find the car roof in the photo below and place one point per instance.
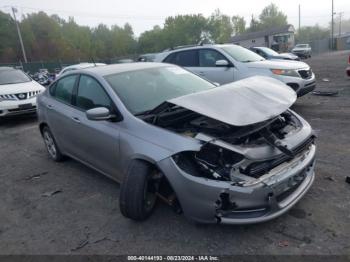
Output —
(206, 46)
(120, 68)
(6, 68)
(83, 65)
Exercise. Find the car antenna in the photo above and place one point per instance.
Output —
(93, 61)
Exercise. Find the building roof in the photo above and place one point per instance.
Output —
(270, 31)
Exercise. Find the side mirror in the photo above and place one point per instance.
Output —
(98, 114)
(222, 63)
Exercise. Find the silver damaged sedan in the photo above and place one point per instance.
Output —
(234, 154)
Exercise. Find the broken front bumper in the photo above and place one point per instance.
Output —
(210, 201)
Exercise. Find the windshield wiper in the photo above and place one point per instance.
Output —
(156, 110)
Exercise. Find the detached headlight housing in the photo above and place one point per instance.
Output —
(285, 72)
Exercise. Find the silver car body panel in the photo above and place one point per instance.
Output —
(240, 70)
(241, 103)
(109, 147)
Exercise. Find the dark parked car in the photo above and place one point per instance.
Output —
(233, 154)
(270, 54)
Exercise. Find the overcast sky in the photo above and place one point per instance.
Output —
(144, 14)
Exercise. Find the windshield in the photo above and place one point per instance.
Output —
(13, 77)
(269, 51)
(143, 90)
(301, 46)
(241, 54)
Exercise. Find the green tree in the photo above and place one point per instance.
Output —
(311, 33)
(102, 42)
(271, 16)
(239, 24)
(123, 41)
(152, 40)
(77, 38)
(42, 37)
(8, 41)
(255, 25)
(184, 29)
(220, 27)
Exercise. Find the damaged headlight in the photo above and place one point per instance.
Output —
(211, 162)
(285, 72)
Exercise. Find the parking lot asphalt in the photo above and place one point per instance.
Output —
(67, 208)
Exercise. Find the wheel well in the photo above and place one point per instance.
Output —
(166, 192)
(41, 127)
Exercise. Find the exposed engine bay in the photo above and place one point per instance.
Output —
(218, 158)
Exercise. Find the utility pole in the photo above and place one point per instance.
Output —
(332, 37)
(14, 10)
(340, 17)
(299, 18)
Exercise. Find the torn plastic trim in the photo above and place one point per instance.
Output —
(283, 171)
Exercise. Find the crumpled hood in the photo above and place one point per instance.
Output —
(270, 64)
(245, 102)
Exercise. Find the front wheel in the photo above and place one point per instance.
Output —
(138, 192)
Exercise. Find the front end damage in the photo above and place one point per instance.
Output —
(241, 175)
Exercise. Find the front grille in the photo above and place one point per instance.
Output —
(21, 109)
(305, 74)
(294, 86)
(260, 168)
(8, 97)
(19, 96)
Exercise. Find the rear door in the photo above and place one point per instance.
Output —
(59, 109)
(187, 59)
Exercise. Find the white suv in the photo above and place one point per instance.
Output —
(17, 92)
(227, 63)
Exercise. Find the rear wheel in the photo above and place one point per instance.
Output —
(138, 192)
(51, 145)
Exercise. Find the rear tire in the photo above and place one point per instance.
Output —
(51, 145)
(138, 191)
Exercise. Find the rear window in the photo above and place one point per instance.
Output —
(13, 77)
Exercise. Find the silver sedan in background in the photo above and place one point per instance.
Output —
(233, 154)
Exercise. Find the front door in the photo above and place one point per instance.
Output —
(97, 141)
(208, 69)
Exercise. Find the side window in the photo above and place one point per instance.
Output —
(208, 58)
(91, 94)
(170, 58)
(261, 53)
(184, 58)
(63, 90)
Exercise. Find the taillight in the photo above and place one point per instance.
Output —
(349, 60)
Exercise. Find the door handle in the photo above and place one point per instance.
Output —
(76, 119)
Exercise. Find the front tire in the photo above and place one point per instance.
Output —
(51, 145)
(138, 192)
